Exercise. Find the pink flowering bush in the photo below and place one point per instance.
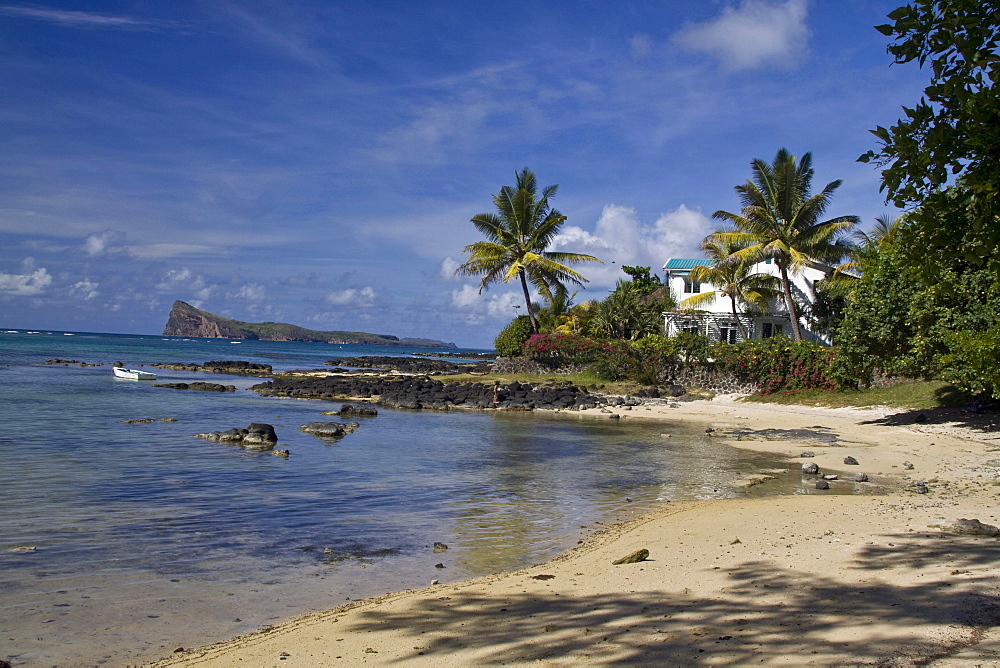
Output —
(561, 349)
(778, 364)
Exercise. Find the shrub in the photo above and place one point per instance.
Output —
(561, 349)
(510, 340)
(778, 364)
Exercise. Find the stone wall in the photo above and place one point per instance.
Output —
(525, 365)
(882, 380)
(707, 378)
(702, 377)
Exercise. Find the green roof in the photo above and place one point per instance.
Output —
(681, 263)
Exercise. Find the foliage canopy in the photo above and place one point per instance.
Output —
(951, 137)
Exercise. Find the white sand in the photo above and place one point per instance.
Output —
(798, 580)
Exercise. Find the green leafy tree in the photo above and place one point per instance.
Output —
(518, 237)
(642, 280)
(511, 338)
(876, 332)
(946, 328)
(952, 135)
(732, 280)
(624, 315)
(780, 220)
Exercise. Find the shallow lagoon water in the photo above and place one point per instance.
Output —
(146, 539)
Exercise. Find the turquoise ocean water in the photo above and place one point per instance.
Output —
(121, 542)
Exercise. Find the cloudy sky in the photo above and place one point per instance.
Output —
(317, 162)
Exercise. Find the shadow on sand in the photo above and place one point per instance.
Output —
(981, 416)
(763, 613)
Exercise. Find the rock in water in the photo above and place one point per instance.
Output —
(860, 477)
(810, 468)
(634, 558)
(260, 436)
(329, 429)
(822, 484)
(257, 436)
(363, 410)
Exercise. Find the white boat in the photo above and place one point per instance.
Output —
(133, 374)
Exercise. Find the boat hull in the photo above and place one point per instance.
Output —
(133, 374)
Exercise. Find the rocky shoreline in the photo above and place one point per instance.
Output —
(231, 367)
(422, 392)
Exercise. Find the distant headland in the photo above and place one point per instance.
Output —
(186, 320)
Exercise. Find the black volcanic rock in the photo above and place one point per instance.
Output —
(421, 392)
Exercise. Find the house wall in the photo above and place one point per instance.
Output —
(802, 285)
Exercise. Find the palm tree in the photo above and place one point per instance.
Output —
(517, 237)
(556, 311)
(886, 229)
(866, 245)
(623, 315)
(780, 220)
(732, 280)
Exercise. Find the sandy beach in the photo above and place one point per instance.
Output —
(817, 579)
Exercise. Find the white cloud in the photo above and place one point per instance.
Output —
(25, 285)
(640, 46)
(76, 19)
(448, 267)
(104, 242)
(435, 127)
(162, 250)
(186, 282)
(620, 238)
(85, 289)
(353, 296)
(755, 34)
(250, 292)
(497, 305)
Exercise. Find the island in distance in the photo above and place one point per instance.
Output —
(186, 320)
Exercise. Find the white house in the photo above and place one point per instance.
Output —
(715, 318)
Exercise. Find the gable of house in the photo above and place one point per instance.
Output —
(716, 317)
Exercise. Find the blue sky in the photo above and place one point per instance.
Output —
(318, 162)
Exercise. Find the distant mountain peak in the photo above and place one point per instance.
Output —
(186, 320)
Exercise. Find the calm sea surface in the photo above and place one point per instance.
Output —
(121, 542)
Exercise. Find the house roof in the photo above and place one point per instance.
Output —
(676, 263)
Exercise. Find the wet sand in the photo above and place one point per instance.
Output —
(820, 579)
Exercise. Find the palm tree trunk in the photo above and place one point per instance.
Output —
(527, 302)
(793, 312)
(739, 323)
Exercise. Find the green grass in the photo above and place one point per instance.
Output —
(917, 395)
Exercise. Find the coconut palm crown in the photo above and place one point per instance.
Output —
(732, 280)
(780, 220)
(866, 246)
(518, 236)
